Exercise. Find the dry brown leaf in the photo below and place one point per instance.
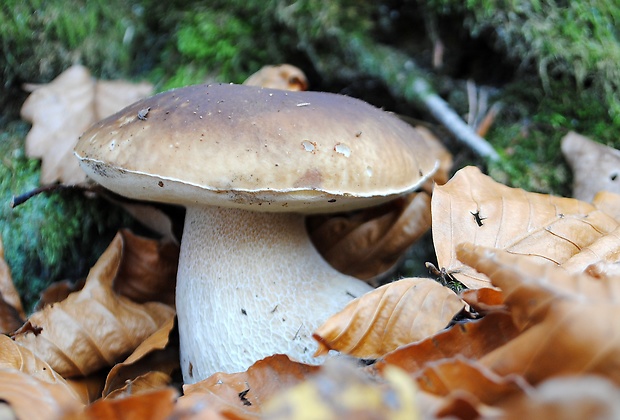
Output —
(596, 167)
(8, 293)
(241, 395)
(62, 110)
(283, 76)
(342, 391)
(471, 340)
(472, 207)
(14, 356)
(368, 244)
(147, 270)
(567, 398)
(141, 384)
(30, 398)
(152, 355)
(393, 315)
(608, 202)
(57, 292)
(568, 321)
(154, 405)
(94, 327)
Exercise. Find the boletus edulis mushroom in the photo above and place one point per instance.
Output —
(248, 163)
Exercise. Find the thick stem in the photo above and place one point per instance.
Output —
(249, 285)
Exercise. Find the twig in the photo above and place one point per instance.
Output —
(22, 198)
(405, 79)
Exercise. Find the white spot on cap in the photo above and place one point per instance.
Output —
(369, 171)
(343, 149)
(304, 104)
(112, 145)
(308, 145)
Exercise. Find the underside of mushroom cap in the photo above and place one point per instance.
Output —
(255, 148)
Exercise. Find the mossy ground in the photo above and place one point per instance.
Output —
(555, 66)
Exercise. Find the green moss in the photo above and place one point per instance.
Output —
(579, 39)
(49, 236)
(40, 39)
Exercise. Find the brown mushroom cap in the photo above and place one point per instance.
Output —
(255, 148)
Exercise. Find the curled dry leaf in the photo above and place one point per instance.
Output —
(342, 391)
(94, 327)
(472, 207)
(30, 398)
(283, 76)
(62, 110)
(596, 167)
(14, 356)
(241, 395)
(568, 321)
(484, 300)
(369, 243)
(8, 294)
(395, 314)
(153, 355)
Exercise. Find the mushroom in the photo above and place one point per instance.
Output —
(248, 163)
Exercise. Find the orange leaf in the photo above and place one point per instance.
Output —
(471, 340)
(395, 314)
(605, 250)
(608, 202)
(94, 327)
(283, 76)
(241, 395)
(152, 405)
(30, 398)
(568, 321)
(472, 207)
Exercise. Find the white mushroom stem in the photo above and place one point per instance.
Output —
(249, 285)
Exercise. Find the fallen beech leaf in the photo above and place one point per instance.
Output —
(152, 405)
(368, 244)
(608, 202)
(605, 250)
(283, 76)
(147, 382)
(61, 111)
(395, 314)
(241, 395)
(596, 167)
(151, 356)
(147, 270)
(8, 293)
(472, 207)
(567, 398)
(30, 398)
(14, 356)
(471, 340)
(568, 320)
(342, 391)
(461, 375)
(94, 327)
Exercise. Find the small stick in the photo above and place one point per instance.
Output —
(22, 198)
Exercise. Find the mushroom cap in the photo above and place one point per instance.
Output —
(257, 149)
